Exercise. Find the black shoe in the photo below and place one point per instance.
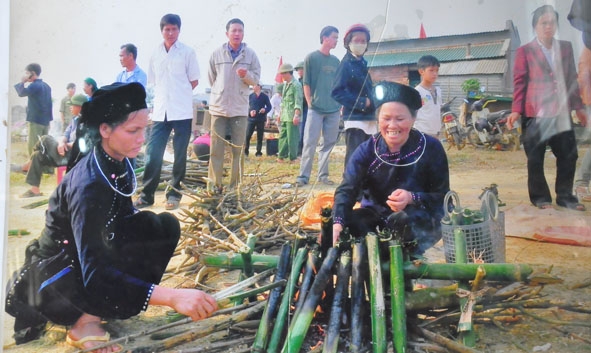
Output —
(258, 154)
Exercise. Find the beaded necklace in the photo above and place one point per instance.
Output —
(420, 148)
(115, 177)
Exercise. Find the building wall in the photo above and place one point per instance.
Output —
(391, 73)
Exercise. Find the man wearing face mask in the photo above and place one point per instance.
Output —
(352, 88)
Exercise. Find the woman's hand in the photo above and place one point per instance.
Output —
(336, 232)
(399, 199)
(193, 303)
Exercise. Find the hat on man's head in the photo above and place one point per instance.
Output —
(91, 82)
(285, 68)
(385, 91)
(299, 65)
(111, 103)
(78, 99)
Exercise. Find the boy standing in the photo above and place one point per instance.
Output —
(428, 119)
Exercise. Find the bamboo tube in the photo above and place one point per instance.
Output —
(465, 328)
(357, 295)
(207, 326)
(261, 337)
(397, 297)
(378, 305)
(281, 320)
(494, 272)
(309, 272)
(326, 244)
(331, 342)
(301, 323)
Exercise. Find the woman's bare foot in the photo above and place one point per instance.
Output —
(87, 333)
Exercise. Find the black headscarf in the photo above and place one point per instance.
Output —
(111, 105)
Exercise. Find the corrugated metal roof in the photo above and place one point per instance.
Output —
(443, 54)
(472, 67)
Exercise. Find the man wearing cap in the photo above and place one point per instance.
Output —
(52, 153)
(291, 111)
(65, 114)
(300, 70)
(320, 69)
(233, 67)
(174, 73)
(258, 106)
(132, 72)
(39, 105)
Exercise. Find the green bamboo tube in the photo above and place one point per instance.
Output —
(283, 313)
(378, 305)
(494, 271)
(397, 297)
(300, 324)
(467, 335)
(262, 335)
(357, 295)
(460, 246)
(234, 261)
(331, 342)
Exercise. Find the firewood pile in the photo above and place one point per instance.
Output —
(298, 293)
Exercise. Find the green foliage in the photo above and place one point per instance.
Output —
(471, 85)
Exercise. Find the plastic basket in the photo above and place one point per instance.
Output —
(484, 240)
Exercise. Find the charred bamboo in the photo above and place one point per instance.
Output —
(331, 341)
(280, 322)
(300, 324)
(261, 338)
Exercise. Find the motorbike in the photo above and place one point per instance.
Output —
(490, 129)
(454, 132)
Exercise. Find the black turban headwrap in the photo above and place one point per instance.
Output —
(386, 91)
(110, 105)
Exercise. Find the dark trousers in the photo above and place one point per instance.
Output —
(302, 126)
(259, 126)
(422, 227)
(155, 152)
(353, 138)
(44, 156)
(564, 148)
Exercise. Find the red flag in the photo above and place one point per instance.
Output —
(278, 78)
(422, 34)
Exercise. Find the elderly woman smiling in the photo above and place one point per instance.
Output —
(401, 173)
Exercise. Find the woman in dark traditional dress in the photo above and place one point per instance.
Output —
(402, 173)
(99, 257)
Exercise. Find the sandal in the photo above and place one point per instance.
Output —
(543, 205)
(141, 203)
(29, 193)
(572, 205)
(583, 193)
(101, 339)
(172, 204)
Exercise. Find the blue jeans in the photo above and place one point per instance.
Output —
(155, 152)
(317, 123)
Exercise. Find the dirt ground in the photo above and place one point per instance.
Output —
(471, 169)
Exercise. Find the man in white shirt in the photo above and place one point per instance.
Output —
(174, 73)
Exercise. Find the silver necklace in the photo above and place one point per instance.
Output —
(375, 148)
(107, 179)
